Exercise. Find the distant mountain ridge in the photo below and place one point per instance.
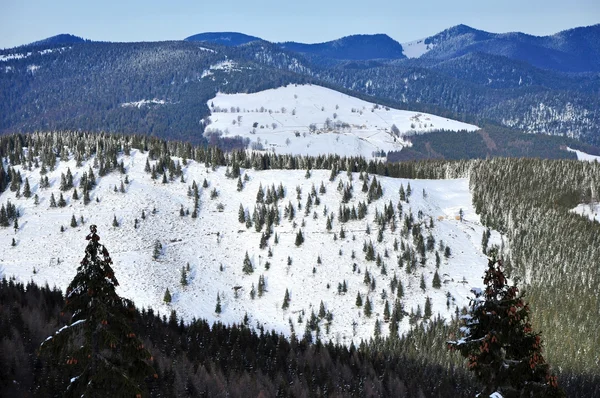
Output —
(574, 50)
(512, 79)
(63, 38)
(224, 38)
(355, 47)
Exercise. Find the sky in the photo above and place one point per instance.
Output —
(308, 21)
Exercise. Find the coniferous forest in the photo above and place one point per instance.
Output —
(550, 253)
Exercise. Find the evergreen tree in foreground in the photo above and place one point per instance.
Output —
(500, 344)
(106, 357)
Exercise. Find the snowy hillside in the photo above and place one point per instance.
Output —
(314, 120)
(591, 211)
(414, 49)
(584, 156)
(215, 243)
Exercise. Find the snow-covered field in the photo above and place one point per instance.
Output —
(215, 244)
(591, 211)
(584, 156)
(314, 120)
(414, 49)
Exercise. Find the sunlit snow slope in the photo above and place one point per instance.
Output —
(214, 245)
(280, 120)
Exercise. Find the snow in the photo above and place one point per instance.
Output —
(32, 68)
(217, 239)
(143, 103)
(283, 117)
(210, 50)
(589, 210)
(8, 57)
(414, 49)
(64, 328)
(584, 156)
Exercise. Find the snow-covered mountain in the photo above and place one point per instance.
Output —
(314, 120)
(214, 244)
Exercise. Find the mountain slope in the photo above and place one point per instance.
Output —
(575, 50)
(214, 245)
(223, 38)
(314, 120)
(58, 39)
(356, 47)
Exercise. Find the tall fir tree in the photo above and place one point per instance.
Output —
(105, 357)
(499, 343)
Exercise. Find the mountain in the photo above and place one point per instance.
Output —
(355, 47)
(59, 39)
(357, 232)
(575, 50)
(156, 235)
(162, 88)
(223, 38)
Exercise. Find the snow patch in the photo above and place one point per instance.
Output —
(584, 156)
(314, 120)
(589, 210)
(143, 103)
(414, 49)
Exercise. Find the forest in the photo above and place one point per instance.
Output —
(551, 253)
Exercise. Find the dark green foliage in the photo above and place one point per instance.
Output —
(218, 306)
(498, 340)
(99, 343)
(247, 268)
(286, 300)
(436, 283)
(491, 141)
(368, 308)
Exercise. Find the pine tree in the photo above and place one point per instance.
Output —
(115, 223)
(358, 302)
(184, 279)
(157, 249)
(368, 308)
(167, 297)
(61, 201)
(427, 311)
(436, 283)
(105, 355)
(218, 306)
(73, 221)
(27, 189)
(247, 268)
(286, 300)
(241, 215)
(299, 238)
(500, 344)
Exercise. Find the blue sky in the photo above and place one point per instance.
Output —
(24, 21)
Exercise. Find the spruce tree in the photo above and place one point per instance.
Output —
(27, 189)
(241, 215)
(247, 268)
(286, 300)
(167, 297)
(218, 306)
(498, 340)
(106, 357)
(437, 283)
